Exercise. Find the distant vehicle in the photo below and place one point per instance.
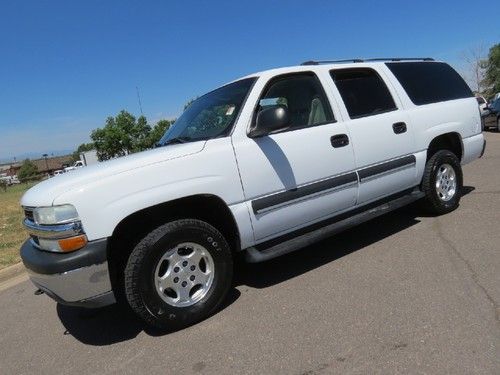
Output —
(78, 164)
(89, 157)
(10, 180)
(491, 118)
(86, 158)
(58, 172)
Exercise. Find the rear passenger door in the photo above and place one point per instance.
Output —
(381, 134)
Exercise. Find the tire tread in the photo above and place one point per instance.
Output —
(133, 267)
(433, 204)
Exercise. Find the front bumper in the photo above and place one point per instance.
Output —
(80, 278)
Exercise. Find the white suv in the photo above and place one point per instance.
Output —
(264, 165)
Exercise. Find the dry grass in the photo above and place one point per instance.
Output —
(12, 233)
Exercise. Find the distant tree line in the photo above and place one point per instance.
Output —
(491, 67)
(123, 134)
(483, 72)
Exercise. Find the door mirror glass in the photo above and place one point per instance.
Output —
(270, 119)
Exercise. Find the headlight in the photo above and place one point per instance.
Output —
(55, 214)
(57, 228)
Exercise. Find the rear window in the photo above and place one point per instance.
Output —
(363, 91)
(430, 82)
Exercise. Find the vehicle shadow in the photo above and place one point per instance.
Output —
(275, 271)
(117, 323)
(112, 324)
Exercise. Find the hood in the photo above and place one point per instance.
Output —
(44, 193)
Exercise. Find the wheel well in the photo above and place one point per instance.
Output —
(449, 141)
(134, 227)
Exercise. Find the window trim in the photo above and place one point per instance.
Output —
(396, 107)
(284, 76)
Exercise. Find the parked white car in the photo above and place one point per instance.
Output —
(10, 180)
(264, 165)
(78, 164)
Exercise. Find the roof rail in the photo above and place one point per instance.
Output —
(313, 62)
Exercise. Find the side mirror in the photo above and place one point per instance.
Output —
(270, 119)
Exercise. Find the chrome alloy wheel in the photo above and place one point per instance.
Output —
(446, 182)
(184, 274)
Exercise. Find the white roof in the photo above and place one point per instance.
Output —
(320, 66)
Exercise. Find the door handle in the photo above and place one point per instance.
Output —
(339, 140)
(399, 127)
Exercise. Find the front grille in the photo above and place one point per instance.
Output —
(28, 213)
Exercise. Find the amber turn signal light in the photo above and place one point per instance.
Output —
(72, 243)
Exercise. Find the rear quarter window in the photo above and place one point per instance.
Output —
(430, 82)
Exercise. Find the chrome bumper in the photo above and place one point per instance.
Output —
(53, 231)
(80, 278)
(86, 287)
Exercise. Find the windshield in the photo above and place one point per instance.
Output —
(211, 115)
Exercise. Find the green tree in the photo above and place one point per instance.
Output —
(158, 130)
(121, 135)
(492, 75)
(27, 171)
(82, 148)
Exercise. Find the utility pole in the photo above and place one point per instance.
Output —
(46, 162)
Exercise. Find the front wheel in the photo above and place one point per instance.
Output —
(178, 274)
(442, 182)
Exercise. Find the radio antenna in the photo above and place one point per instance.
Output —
(139, 99)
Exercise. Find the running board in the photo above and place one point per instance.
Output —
(254, 255)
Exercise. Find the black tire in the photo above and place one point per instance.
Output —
(139, 274)
(434, 203)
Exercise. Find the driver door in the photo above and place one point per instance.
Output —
(302, 174)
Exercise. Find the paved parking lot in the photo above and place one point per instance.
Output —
(404, 293)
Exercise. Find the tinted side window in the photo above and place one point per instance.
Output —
(363, 92)
(430, 82)
(304, 96)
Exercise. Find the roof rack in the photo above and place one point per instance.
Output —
(313, 62)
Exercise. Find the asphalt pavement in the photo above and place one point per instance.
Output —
(405, 293)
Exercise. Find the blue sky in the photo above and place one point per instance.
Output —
(66, 65)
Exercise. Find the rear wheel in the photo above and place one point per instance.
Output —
(178, 274)
(442, 182)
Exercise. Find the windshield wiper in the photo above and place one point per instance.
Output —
(175, 140)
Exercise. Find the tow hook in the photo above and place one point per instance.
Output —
(38, 292)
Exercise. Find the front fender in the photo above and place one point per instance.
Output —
(104, 203)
